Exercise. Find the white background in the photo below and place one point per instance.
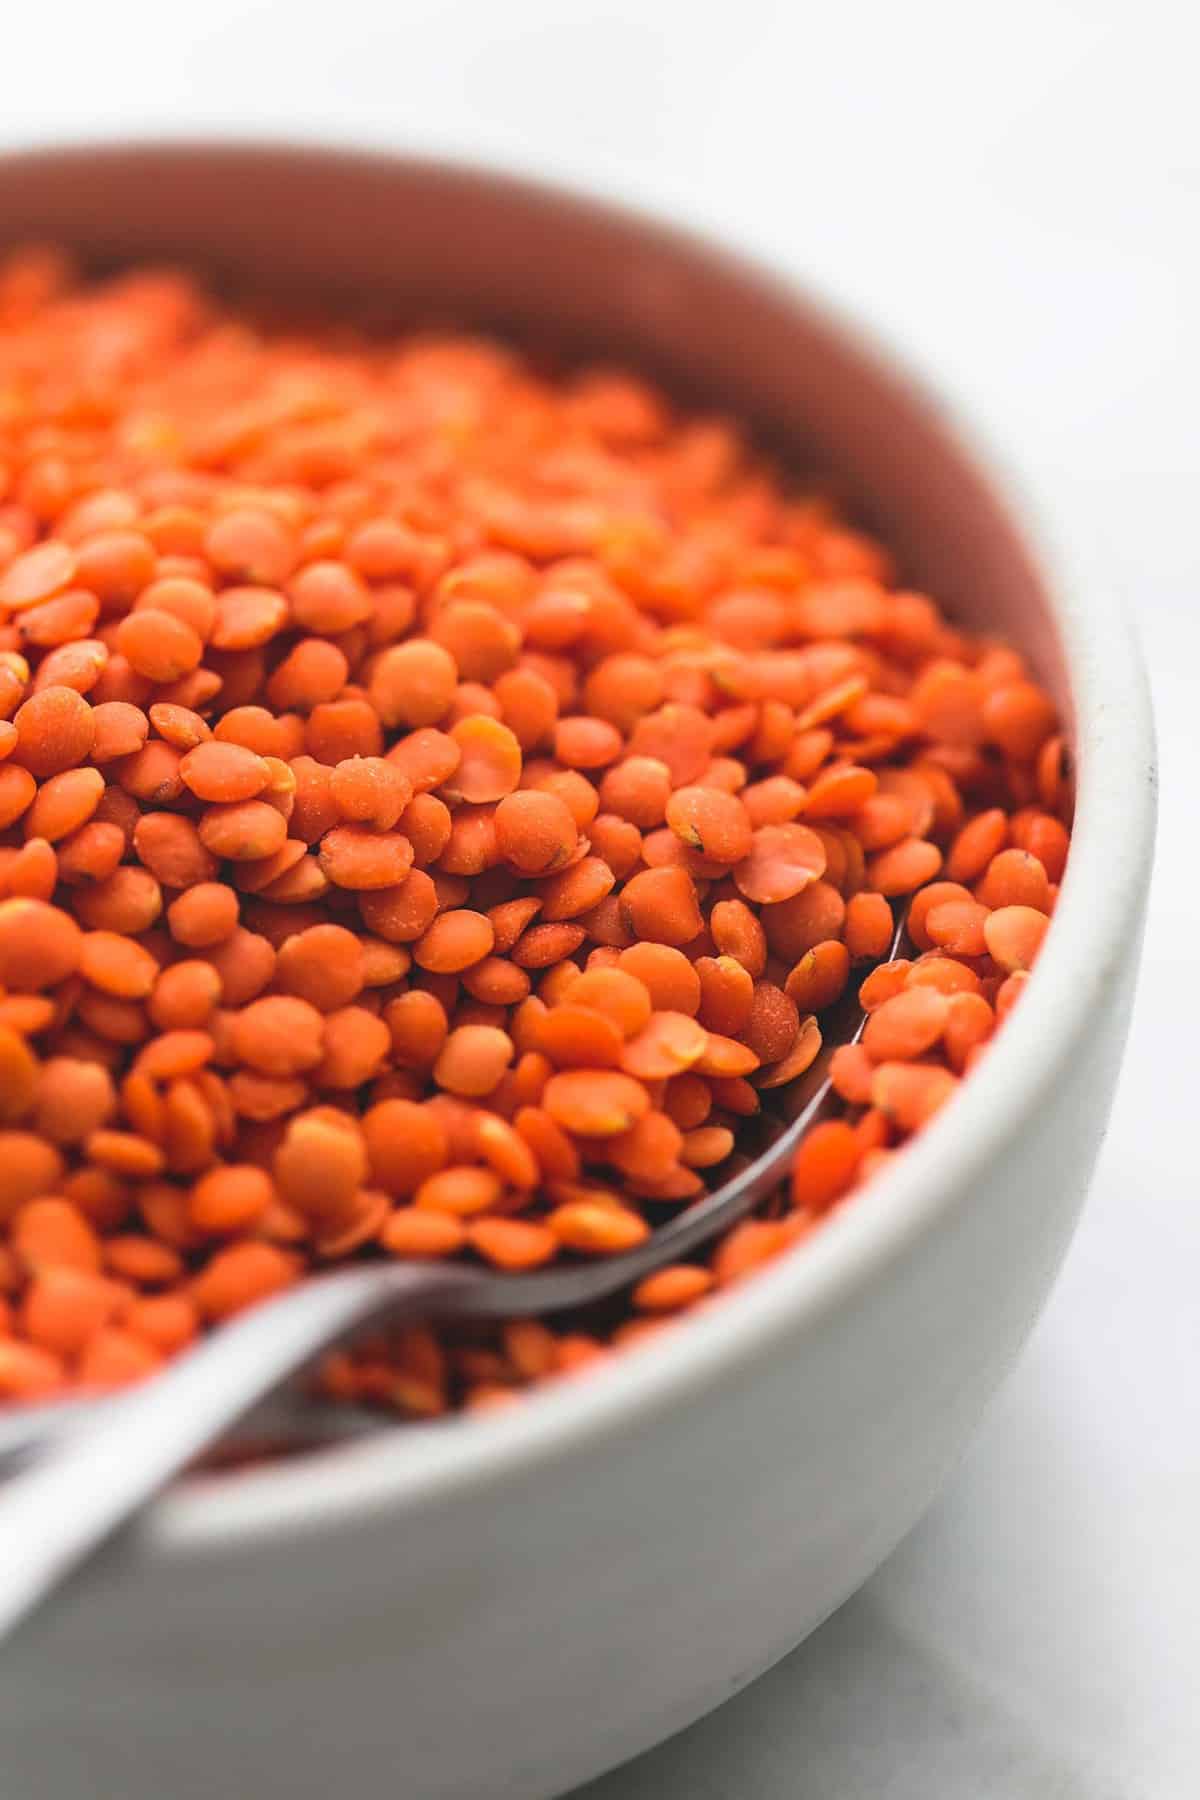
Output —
(1011, 193)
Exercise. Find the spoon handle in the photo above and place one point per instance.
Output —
(93, 1479)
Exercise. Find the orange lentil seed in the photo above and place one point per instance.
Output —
(430, 844)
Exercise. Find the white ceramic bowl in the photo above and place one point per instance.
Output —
(510, 1604)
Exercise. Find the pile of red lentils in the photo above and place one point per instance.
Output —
(439, 794)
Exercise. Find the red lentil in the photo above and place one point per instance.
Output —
(412, 852)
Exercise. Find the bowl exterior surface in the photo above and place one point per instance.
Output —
(511, 1643)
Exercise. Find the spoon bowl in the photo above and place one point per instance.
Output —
(104, 1462)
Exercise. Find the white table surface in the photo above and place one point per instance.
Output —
(1011, 194)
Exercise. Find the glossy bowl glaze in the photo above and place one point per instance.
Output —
(498, 1608)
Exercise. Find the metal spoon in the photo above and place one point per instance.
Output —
(104, 1461)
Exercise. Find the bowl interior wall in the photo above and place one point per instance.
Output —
(420, 240)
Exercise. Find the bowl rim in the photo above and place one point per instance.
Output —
(1096, 927)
